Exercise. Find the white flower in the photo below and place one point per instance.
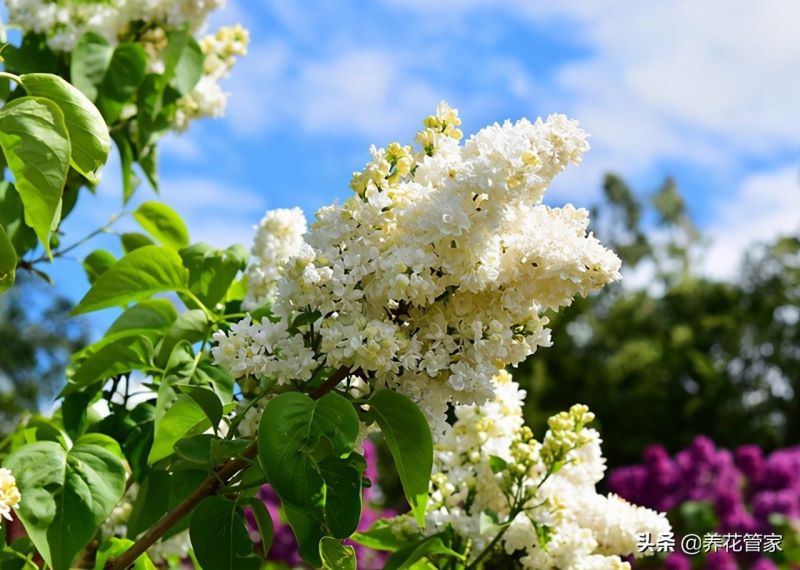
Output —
(437, 272)
(279, 237)
(9, 494)
(64, 22)
(489, 465)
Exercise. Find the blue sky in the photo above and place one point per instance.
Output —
(704, 91)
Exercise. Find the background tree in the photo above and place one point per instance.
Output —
(685, 355)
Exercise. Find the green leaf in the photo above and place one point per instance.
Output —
(184, 418)
(207, 400)
(36, 145)
(335, 555)
(189, 68)
(129, 179)
(211, 271)
(125, 73)
(8, 261)
(32, 56)
(219, 536)
(118, 357)
(97, 263)
(88, 63)
(190, 326)
(408, 437)
(115, 547)
(217, 377)
(134, 240)
(497, 464)
(379, 536)
(263, 521)
(68, 494)
(138, 275)
(155, 314)
(195, 449)
(163, 223)
(292, 427)
(308, 530)
(12, 217)
(88, 133)
(406, 557)
(342, 493)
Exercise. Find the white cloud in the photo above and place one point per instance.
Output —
(764, 207)
(367, 91)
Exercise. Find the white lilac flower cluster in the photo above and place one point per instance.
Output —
(489, 470)
(437, 271)
(63, 22)
(279, 237)
(9, 494)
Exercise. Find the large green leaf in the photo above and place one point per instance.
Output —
(67, 494)
(219, 536)
(35, 141)
(305, 449)
(291, 428)
(88, 133)
(211, 271)
(163, 223)
(138, 275)
(8, 261)
(408, 437)
(89, 62)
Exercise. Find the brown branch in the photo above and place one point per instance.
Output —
(219, 478)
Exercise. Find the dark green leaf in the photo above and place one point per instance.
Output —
(219, 536)
(263, 521)
(129, 179)
(408, 437)
(292, 426)
(122, 78)
(12, 217)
